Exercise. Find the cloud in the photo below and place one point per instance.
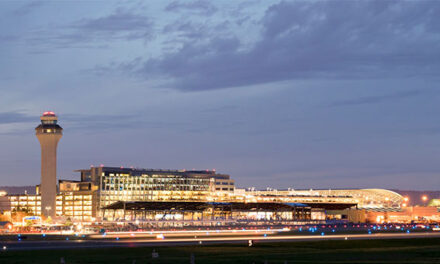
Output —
(8, 38)
(92, 123)
(197, 7)
(377, 99)
(119, 24)
(97, 32)
(186, 29)
(15, 123)
(19, 122)
(28, 8)
(301, 40)
(15, 117)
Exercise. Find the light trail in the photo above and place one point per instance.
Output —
(180, 233)
(285, 238)
(54, 244)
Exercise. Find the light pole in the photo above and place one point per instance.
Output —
(405, 201)
(424, 199)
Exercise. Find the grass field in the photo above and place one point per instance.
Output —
(416, 250)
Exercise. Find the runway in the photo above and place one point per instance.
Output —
(241, 239)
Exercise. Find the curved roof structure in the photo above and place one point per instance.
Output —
(368, 198)
(364, 198)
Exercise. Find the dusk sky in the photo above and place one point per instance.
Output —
(302, 94)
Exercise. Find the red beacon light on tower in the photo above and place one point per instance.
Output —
(48, 113)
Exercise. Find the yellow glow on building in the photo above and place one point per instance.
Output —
(75, 207)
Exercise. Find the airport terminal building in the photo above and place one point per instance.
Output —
(115, 193)
(205, 197)
(102, 186)
(106, 193)
(102, 189)
(199, 197)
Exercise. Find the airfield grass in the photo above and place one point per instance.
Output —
(414, 250)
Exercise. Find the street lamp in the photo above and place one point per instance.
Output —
(405, 202)
(424, 199)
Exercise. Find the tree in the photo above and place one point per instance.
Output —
(19, 213)
(5, 217)
(48, 220)
(68, 222)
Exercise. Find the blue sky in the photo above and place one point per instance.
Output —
(302, 94)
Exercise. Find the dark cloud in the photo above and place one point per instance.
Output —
(377, 99)
(186, 29)
(97, 32)
(184, 32)
(300, 40)
(201, 7)
(116, 68)
(120, 24)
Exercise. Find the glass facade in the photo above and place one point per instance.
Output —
(151, 186)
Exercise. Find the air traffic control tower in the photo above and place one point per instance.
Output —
(48, 133)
